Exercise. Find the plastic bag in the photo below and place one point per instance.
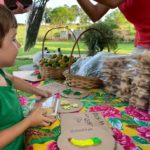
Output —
(38, 56)
(89, 66)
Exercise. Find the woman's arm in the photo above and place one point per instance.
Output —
(110, 3)
(22, 85)
(95, 12)
(35, 119)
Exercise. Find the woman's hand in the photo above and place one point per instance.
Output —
(20, 8)
(38, 118)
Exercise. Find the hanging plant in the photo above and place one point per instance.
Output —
(34, 22)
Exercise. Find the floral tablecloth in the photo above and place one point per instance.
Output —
(131, 126)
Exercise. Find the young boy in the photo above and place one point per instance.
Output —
(12, 123)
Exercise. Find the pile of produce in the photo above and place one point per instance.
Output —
(57, 61)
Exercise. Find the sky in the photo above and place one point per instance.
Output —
(21, 18)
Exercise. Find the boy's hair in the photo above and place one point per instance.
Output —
(7, 21)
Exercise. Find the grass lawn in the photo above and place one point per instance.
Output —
(19, 62)
(66, 47)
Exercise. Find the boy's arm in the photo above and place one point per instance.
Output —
(110, 3)
(10, 134)
(36, 118)
(95, 12)
(22, 85)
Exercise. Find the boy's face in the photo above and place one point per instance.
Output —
(9, 49)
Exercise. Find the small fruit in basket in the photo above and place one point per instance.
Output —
(45, 64)
(54, 55)
(58, 58)
(54, 65)
(42, 61)
(65, 58)
(61, 61)
(50, 61)
(63, 65)
(57, 61)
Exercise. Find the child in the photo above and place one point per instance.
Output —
(12, 123)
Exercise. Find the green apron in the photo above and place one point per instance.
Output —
(10, 112)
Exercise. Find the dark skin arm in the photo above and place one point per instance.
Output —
(95, 12)
(110, 3)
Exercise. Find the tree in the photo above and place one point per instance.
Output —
(117, 20)
(61, 15)
(121, 27)
(84, 19)
(46, 16)
(76, 10)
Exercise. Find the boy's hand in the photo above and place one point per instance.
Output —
(38, 118)
(43, 94)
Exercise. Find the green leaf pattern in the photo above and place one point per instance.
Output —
(116, 123)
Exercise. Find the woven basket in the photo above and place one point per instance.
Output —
(48, 72)
(82, 81)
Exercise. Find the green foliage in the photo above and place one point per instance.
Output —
(116, 20)
(97, 42)
(62, 15)
(84, 19)
(46, 16)
(65, 14)
(116, 17)
(75, 9)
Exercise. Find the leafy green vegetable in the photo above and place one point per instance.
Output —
(77, 93)
(67, 91)
(34, 22)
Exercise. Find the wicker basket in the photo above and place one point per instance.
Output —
(82, 81)
(48, 72)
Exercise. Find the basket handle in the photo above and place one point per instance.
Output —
(43, 43)
(76, 42)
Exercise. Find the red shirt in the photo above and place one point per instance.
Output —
(138, 13)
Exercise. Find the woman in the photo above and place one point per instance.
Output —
(136, 11)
